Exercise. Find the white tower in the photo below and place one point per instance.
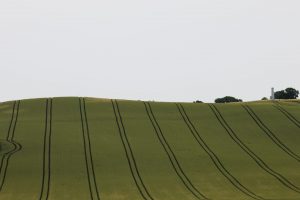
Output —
(272, 94)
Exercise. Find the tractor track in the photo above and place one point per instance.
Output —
(10, 138)
(176, 166)
(129, 153)
(269, 133)
(218, 164)
(247, 150)
(291, 117)
(47, 152)
(94, 193)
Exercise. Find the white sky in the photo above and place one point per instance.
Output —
(167, 50)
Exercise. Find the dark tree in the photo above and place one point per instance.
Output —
(288, 93)
(279, 94)
(227, 99)
(198, 101)
(292, 93)
(264, 98)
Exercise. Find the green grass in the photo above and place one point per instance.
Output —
(95, 148)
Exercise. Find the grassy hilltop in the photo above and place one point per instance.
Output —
(75, 148)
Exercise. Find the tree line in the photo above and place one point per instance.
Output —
(288, 93)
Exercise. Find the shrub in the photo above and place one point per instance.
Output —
(198, 101)
(227, 99)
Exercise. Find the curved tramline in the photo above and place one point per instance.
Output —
(88, 152)
(245, 148)
(287, 114)
(178, 169)
(129, 154)
(214, 157)
(47, 152)
(5, 162)
(10, 138)
(270, 133)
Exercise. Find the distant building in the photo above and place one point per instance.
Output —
(272, 97)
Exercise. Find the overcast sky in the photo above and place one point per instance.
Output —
(164, 50)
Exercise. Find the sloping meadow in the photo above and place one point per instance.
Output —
(88, 148)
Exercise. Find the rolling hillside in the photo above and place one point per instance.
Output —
(87, 148)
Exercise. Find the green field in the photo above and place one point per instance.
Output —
(88, 148)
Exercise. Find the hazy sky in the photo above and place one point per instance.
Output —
(168, 50)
